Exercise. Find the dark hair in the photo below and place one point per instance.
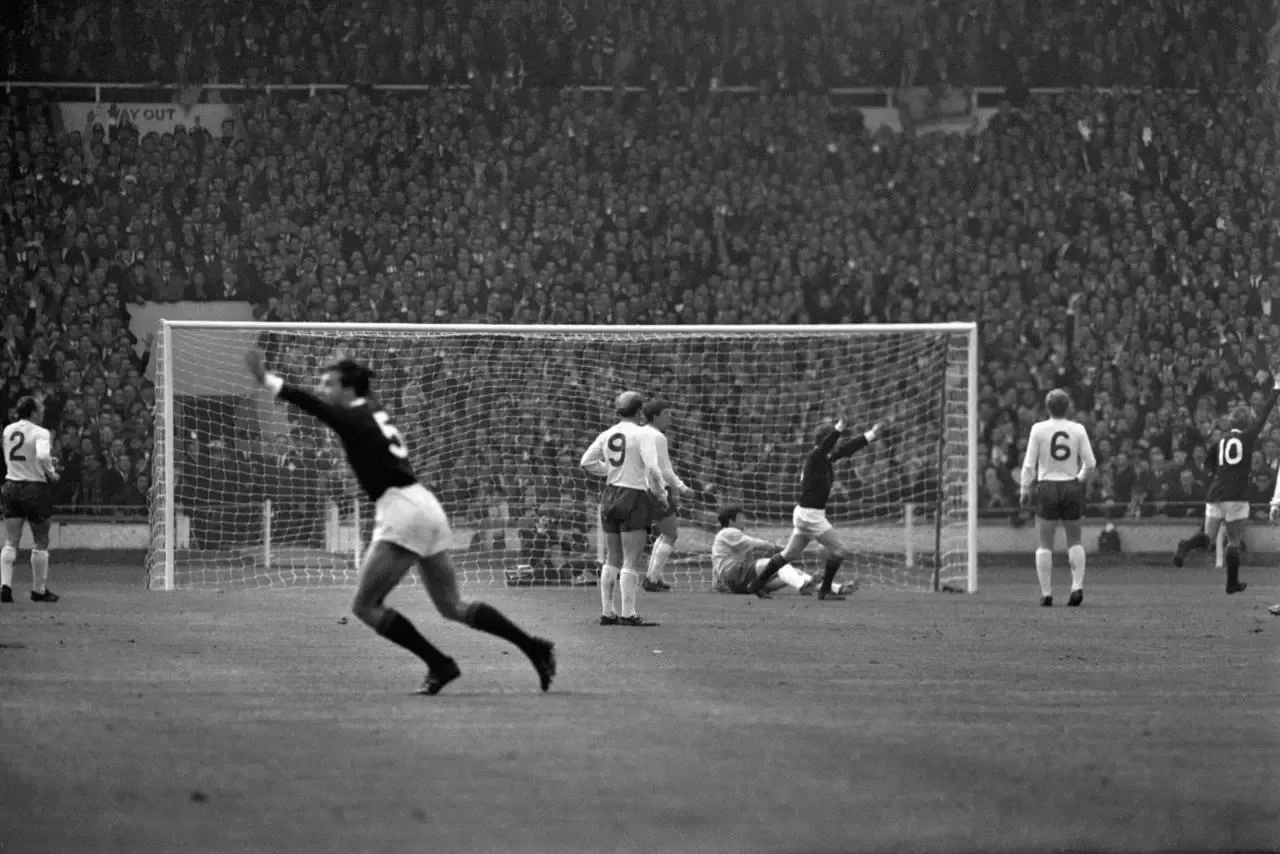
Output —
(654, 407)
(1057, 402)
(824, 430)
(28, 406)
(1240, 419)
(729, 515)
(352, 375)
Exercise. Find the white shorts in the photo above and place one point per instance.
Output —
(812, 523)
(1227, 511)
(412, 518)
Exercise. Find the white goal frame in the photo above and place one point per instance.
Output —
(166, 389)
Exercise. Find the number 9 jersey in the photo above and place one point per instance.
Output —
(627, 457)
(1057, 450)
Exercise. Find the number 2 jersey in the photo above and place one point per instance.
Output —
(1058, 449)
(1231, 460)
(374, 448)
(625, 456)
(28, 452)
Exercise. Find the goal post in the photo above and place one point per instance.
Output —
(251, 492)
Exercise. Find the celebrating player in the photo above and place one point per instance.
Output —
(1057, 465)
(27, 499)
(733, 568)
(664, 518)
(623, 455)
(410, 526)
(1228, 494)
(1274, 610)
(809, 519)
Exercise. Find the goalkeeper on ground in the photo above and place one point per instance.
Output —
(733, 567)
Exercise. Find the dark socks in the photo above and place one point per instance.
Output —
(1199, 541)
(486, 618)
(1233, 566)
(400, 631)
(829, 572)
(776, 563)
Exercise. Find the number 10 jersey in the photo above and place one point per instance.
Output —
(1232, 458)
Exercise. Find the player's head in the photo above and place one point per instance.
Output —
(29, 409)
(728, 516)
(629, 404)
(824, 431)
(1240, 419)
(1058, 402)
(657, 413)
(344, 381)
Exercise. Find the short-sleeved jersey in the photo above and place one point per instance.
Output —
(375, 449)
(730, 548)
(624, 455)
(1230, 461)
(1057, 449)
(818, 475)
(28, 452)
(662, 457)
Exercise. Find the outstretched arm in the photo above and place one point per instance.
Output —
(857, 443)
(1267, 409)
(337, 418)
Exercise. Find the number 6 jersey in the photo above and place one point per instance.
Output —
(1057, 450)
(1230, 461)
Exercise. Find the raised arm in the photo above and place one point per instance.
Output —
(1267, 408)
(593, 458)
(337, 418)
(857, 443)
(668, 472)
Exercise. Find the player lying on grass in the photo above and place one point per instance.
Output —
(665, 519)
(410, 526)
(27, 498)
(624, 457)
(1055, 469)
(809, 519)
(733, 568)
(1230, 463)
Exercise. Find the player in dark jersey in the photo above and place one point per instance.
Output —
(1228, 499)
(410, 525)
(809, 519)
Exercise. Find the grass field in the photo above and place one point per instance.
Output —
(1147, 720)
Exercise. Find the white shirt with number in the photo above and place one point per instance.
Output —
(625, 456)
(1058, 449)
(28, 452)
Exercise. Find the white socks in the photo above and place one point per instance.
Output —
(630, 584)
(1044, 569)
(793, 577)
(39, 570)
(1075, 556)
(8, 557)
(662, 549)
(608, 584)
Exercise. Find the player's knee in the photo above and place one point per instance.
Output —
(453, 608)
(366, 610)
(40, 544)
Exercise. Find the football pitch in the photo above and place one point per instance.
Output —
(1148, 720)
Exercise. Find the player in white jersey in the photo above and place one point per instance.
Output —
(665, 519)
(27, 498)
(733, 567)
(623, 455)
(1057, 465)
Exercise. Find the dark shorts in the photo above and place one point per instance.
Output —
(625, 509)
(736, 580)
(1060, 500)
(26, 500)
(659, 512)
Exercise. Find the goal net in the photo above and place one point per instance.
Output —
(249, 491)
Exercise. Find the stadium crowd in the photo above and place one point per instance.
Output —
(518, 200)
